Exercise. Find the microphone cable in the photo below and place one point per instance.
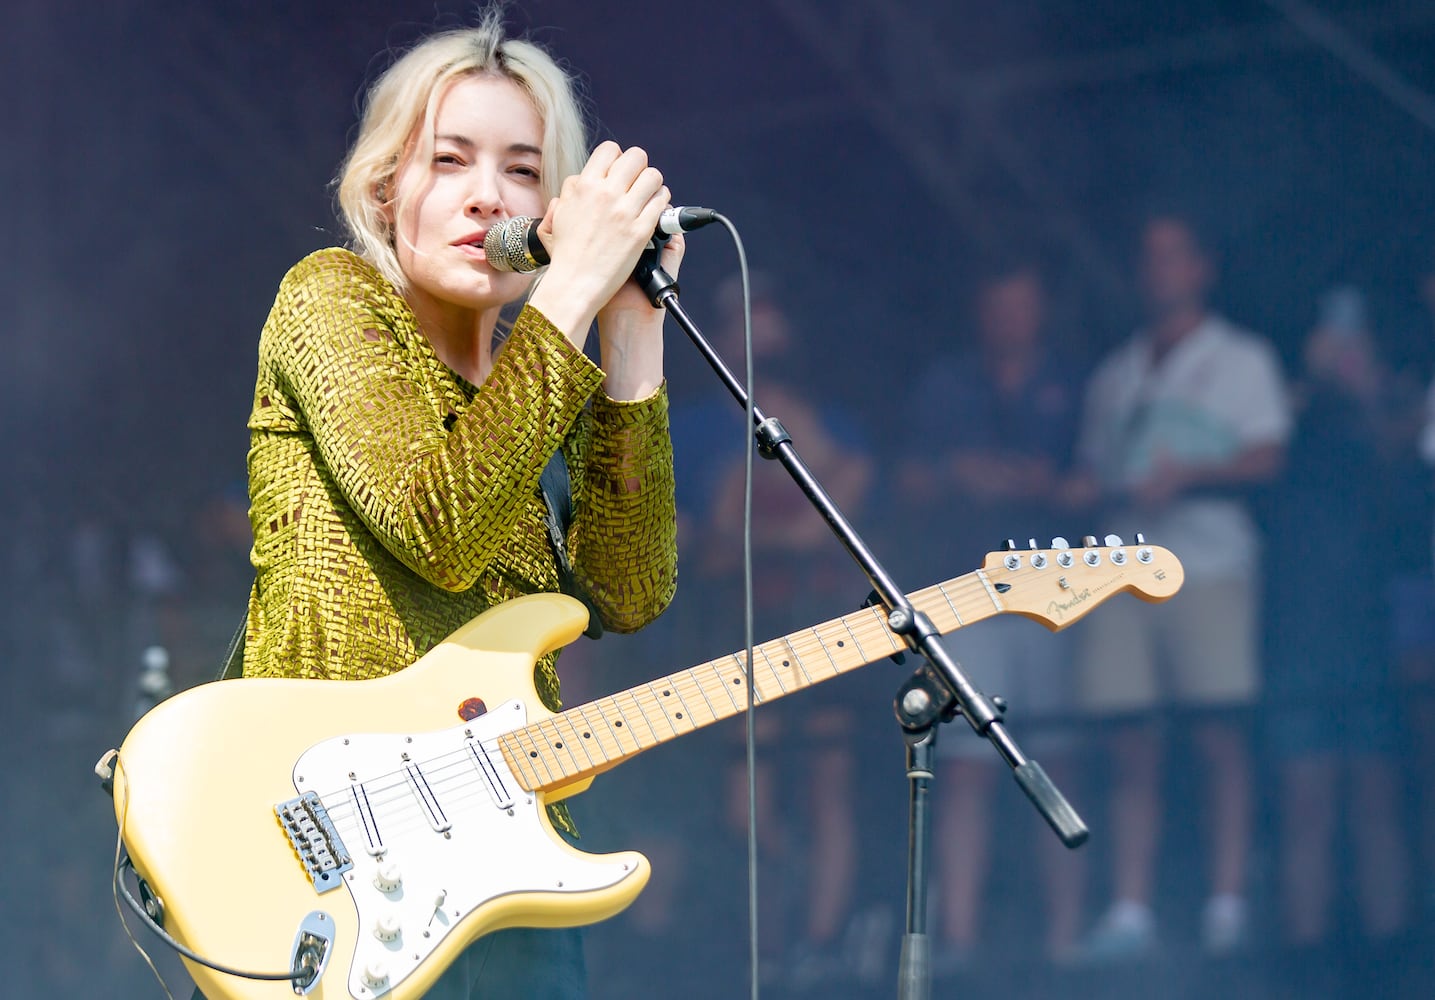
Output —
(749, 446)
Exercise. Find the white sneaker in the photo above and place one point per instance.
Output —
(1225, 924)
(1126, 932)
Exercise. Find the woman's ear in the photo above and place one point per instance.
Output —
(383, 194)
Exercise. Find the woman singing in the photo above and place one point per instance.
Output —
(397, 450)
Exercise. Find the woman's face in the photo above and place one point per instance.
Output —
(485, 168)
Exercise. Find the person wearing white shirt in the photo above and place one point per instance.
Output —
(1180, 423)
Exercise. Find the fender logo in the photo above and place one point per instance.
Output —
(1058, 609)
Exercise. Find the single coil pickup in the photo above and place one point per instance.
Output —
(369, 821)
(492, 776)
(315, 840)
(419, 785)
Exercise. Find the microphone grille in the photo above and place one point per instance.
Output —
(506, 246)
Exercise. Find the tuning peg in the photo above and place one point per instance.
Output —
(1140, 538)
(1089, 541)
(1032, 542)
(1114, 541)
(1009, 545)
(1060, 543)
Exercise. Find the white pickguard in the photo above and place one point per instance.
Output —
(495, 841)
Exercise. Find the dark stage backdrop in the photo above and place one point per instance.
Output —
(165, 162)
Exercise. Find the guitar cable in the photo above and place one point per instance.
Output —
(302, 975)
(305, 972)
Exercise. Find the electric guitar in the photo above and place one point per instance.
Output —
(374, 829)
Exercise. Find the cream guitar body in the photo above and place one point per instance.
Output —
(436, 842)
(379, 827)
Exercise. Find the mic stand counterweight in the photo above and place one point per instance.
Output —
(938, 691)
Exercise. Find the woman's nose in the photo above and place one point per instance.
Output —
(484, 199)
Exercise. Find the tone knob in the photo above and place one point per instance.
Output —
(387, 927)
(388, 876)
(376, 973)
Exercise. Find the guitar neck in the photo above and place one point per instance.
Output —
(596, 736)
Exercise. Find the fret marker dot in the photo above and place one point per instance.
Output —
(737, 681)
(666, 693)
(840, 642)
(587, 736)
(619, 723)
(680, 715)
(558, 746)
(786, 664)
(533, 753)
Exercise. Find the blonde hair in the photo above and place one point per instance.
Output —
(398, 121)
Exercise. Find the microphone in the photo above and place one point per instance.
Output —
(514, 245)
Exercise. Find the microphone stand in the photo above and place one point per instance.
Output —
(936, 693)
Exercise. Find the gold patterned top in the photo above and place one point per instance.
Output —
(392, 501)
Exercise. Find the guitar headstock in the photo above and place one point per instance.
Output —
(1058, 585)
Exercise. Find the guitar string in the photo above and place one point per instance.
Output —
(977, 597)
(804, 645)
(800, 645)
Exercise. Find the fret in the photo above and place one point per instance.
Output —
(592, 735)
(642, 714)
(712, 712)
(947, 597)
(575, 737)
(563, 746)
(555, 744)
(757, 696)
(736, 683)
(614, 727)
(723, 683)
(681, 713)
(529, 753)
(855, 641)
(846, 642)
(794, 657)
(825, 651)
(768, 660)
(991, 591)
(672, 729)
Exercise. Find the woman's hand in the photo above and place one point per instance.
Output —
(630, 334)
(594, 231)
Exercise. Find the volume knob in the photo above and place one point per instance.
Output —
(388, 876)
(387, 927)
(376, 973)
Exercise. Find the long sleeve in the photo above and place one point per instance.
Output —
(440, 499)
(624, 534)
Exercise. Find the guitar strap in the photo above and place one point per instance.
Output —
(558, 504)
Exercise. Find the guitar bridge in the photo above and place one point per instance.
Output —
(315, 840)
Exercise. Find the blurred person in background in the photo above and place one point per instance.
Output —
(802, 576)
(1415, 636)
(1000, 417)
(1181, 423)
(1331, 719)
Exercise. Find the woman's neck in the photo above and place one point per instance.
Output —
(462, 338)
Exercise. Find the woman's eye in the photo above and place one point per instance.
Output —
(446, 159)
(529, 172)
